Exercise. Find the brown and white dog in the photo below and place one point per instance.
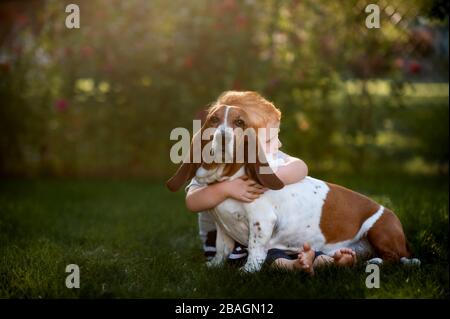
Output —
(325, 215)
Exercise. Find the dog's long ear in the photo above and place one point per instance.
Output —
(186, 170)
(202, 115)
(257, 167)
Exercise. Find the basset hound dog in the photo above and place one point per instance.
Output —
(325, 215)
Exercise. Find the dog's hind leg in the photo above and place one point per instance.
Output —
(410, 261)
(387, 238)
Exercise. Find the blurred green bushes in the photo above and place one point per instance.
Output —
(102, 99)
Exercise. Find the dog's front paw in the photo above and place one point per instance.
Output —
(251, 267)
(215, 262)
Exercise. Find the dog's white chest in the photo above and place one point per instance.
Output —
(232, 217)
(298, 209)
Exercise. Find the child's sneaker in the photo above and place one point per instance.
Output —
(238, 255)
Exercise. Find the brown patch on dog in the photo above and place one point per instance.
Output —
(231, 169)
(387, 238)
(343, 213)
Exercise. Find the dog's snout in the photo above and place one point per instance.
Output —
(222, 144)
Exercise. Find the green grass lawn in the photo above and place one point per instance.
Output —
(135, 239)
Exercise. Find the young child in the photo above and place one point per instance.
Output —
(289, 170)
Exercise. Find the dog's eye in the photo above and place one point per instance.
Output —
(214, 119)
(239, 123)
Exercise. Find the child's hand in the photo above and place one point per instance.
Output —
(244, 189)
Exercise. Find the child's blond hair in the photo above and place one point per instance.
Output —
(257, 107)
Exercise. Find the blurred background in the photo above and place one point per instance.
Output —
(101, 100)
(85, 118)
